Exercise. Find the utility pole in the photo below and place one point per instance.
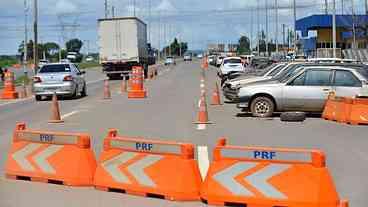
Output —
(266, 4)
(25, 47)
(334, 27)
(149, 20)
(342, 7)
(326, 7)
(283, 38)
(277, 27)
(353, 18)
(295, 37)
(159, 36)
(35, 30)
(106, 9)
(251, 32)
(258, 28)
(134, 8)
(113, 11)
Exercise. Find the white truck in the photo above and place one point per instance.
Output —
(123, 44)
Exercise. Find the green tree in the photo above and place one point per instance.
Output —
(74, 45)
(29, 49)
(244, 45)
(175, 48)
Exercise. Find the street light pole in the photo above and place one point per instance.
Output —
(35, 30)
(25, 47)
(334, 27)
(295, 38)
(277, 26)
(106, 11)
(266, 4)
(134, 7)
(258, 28)
(149, 21)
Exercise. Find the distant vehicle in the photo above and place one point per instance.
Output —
(64, 61)
(123, 44)
(62, 79)
(306, 90)
(212, 60)
(200, 56)
(170, 60)
(89, 59)
(43, 62)
(219, 61)
(74, 57)
(188, 57)
(261, 62)
(231, 64)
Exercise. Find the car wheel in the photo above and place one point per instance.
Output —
(38, 98)
(75, 93)
(84, 91)
(293, 116)
(262, 107)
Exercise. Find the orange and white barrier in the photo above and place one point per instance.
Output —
(346, 110)
(51, 157)
(257, 176)
(148, 168)
(136, 84)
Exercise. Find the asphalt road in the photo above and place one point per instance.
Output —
(168, 114)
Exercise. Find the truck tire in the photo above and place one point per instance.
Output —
(293, 116)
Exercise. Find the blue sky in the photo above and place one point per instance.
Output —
(198, 22)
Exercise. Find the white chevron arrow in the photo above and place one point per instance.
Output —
(112, 167)
(40, 158)
(259, 179)
(20, 156)
(137, 169)
(226, 178)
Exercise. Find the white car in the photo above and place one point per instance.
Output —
(219, 60)
(231, 64)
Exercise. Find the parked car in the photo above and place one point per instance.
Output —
(230, 64)
(188, 57)
(219, 60)
(200, 56)
(230, 86)
(260, 62)
(170, 60)
(89, 59)
(212, 60)
(306, 90)
(62, 79)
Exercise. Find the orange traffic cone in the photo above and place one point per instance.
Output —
(124, 86)
(203, 113)
(137, 86)
(107, 92)
(216, 101)
(55, 112)
(9, 87)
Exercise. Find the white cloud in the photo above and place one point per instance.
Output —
(65, 6)
(165, 5)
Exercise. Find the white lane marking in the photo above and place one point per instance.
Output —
(201, 126)
(95, 81)
(203, 161)
(69, 114)
(202, 85)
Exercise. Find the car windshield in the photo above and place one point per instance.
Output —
(266, 70)
(277, 70)
(288, 72)
(363, 72)
(232, 61)
(55, 69)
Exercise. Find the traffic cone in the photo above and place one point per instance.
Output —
(124, 86)
(55, 112)
(216, 101)
(107, 92)
(9, 87)
(203, 113)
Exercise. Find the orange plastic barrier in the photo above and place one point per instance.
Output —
(336, 108)
(257, 176)
(148, 168)
(358, 113)
(51, 157)
(9, 87)
(136, 88)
